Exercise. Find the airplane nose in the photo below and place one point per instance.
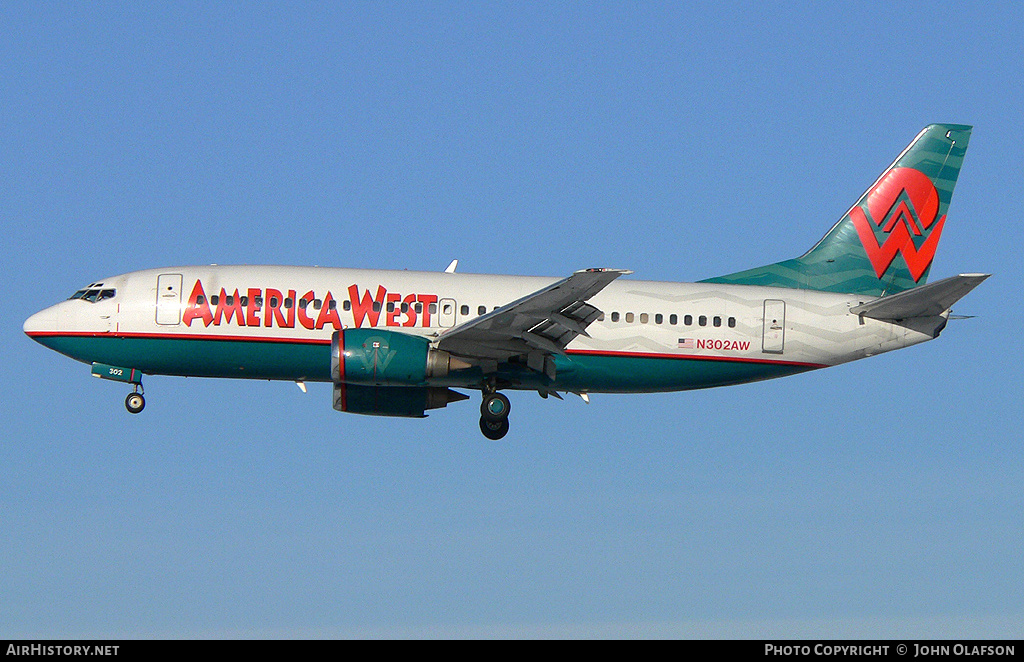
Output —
(41, 322)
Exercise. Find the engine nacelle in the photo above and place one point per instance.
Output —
(409, 401)
(386, 358)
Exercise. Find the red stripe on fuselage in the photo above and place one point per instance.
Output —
(692, 357)
(341, 359)
(176, 336)
(327, 341)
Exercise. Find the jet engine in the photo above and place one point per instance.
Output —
(407, 401)
(387, 358)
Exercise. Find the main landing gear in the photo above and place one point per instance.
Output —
(135, 402)
(494, 414)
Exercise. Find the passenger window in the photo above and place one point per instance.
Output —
(418, 307)
(644, 317)
(288, 302)
(302, 302)
(214, 299)
(658, 319)
(273, 302)
(629, 318)
(717, 321)
(230, 300)
(200, 300)
(465, 309)
(333, 305)
(391, 306)
(482, 310)
(702, 320)
(243, 301)
(433, 308)
(615, 317)
(732, 322)
(346, 305)
(688, 320)
(317, 304)
(673, 319)
(376, 306)
(405, 307)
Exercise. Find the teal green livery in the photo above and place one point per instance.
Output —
(397, 343)
(885, 243)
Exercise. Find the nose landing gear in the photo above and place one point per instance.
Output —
(494, 412)
(135, 402)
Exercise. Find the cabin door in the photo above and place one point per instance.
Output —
(774, 334)
(168, 299)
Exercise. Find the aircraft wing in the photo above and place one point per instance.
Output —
(931, 299)
(535, 326)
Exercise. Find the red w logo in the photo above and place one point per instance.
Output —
(904, 204)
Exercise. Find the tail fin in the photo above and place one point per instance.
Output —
(885, 243)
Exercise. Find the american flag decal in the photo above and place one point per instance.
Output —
(685, 343)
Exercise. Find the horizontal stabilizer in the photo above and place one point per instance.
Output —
(924, 301)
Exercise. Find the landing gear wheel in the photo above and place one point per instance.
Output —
(134, 403)
(494, 430)
(495, 407)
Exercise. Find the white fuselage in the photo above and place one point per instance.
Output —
(282, 307)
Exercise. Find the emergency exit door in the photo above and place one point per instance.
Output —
(446, 316)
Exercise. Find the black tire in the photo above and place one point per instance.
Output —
(134, 403)
(494, 430)
(495, 407)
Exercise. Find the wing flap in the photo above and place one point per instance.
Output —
(541, 323)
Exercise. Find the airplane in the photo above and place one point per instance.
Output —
(398, 343)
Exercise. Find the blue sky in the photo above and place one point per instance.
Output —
(682, 141)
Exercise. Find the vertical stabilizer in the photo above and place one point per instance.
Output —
(886, 242)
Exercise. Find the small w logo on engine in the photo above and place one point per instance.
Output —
(376, 355)
(902, 205)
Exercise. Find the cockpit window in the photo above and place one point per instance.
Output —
(94, 294)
